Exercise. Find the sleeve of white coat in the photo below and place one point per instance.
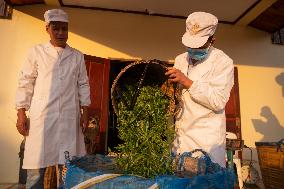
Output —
(214, 94)
(83, 84)
(178, 60)
(27, 77)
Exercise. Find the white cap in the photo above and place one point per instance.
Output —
(55, 15)
(199, 27)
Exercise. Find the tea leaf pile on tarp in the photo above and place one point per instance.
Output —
(146, 133)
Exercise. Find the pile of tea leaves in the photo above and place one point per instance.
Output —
(146, 133)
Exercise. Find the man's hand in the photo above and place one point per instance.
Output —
(84, 122)
(22, 122)
(175, 75)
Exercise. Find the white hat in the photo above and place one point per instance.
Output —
(199, 27)
(55, 15)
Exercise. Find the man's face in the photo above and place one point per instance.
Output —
(58, 32)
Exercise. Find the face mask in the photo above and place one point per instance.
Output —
(198, 54)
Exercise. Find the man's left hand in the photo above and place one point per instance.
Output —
(84, 122)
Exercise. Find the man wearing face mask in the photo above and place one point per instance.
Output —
(206, 76)
(53, 86)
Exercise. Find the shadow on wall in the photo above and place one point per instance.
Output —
(136, 35)
(271, 128)
(280, 80)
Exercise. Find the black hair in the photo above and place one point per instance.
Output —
(210, 38)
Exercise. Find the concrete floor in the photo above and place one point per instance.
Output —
(9, 186)
(6, 185)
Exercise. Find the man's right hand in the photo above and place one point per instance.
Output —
(175, 75)
(22, 122)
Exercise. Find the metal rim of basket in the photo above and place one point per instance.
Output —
(114, 84)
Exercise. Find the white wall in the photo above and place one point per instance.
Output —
(120, 35)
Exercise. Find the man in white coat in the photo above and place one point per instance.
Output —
(206, 75)
(54, 87)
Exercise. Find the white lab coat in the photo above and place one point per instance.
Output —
(53, 87)
(201, 123)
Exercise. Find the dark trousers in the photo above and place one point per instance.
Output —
(35, 179)
(22, 172)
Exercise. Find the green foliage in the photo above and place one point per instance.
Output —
(146, 133)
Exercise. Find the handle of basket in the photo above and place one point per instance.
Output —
(163, 63)
(279, 143)
(207, 159)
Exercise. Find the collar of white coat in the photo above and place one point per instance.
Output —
(199, 70)
(53, 52)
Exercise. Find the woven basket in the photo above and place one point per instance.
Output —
(271, 161)
(50, 178)
(186, 165)
(145, 73)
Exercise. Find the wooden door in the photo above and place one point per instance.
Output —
(98, 73)
(232, 109)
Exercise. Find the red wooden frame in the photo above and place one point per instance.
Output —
(232, 109)
(98, 72)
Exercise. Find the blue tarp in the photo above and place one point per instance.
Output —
(87, 167)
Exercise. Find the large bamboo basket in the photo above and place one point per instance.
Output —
(50, 178)
(144, 73)
(271, 161)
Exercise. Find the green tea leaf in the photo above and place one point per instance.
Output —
(146, 133)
